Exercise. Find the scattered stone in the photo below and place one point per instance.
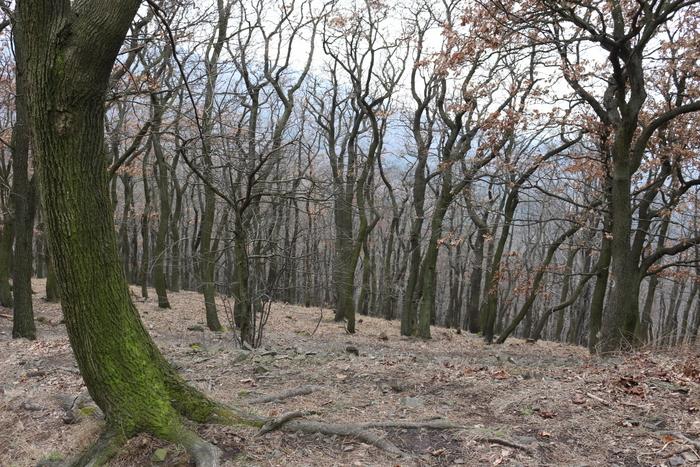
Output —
(351, 349)
(159, 455)
(196, 327)
(269, 353)
(260, 370)
(676, 461)
(30, 406)
(240, 356)
(69, 417)
(36, 373)
(412, 402)
(383, 336)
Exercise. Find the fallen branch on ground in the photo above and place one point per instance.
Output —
(300, 391)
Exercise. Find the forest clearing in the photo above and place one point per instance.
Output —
(555, 402)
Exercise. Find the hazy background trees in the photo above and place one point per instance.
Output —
(507, 168)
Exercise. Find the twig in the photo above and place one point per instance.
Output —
(602, 401)
(318, 324)
(5, 316)
(300, 391)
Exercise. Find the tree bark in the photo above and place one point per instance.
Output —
(159, 275)
(23, 199)
(71, 50)
(6, 241)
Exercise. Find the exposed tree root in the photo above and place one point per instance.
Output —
(300, 391)
(363, 431)
(106, 447)
(203, 453)
(358, 431)
(202, 410)
(276, 423)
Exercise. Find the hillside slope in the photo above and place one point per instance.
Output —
(555, 404)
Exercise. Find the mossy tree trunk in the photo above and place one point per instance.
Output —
(71, 49)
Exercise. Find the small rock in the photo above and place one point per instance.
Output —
(69, 418)
(260, 370)
(459, 461)
(676, 461)
(240, 356)
(31, 406)
(383, 336)
(159, 455)
(269, 353)
(352, 350)
(412, 402)
(196, 327)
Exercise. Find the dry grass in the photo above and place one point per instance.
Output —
(569, 408)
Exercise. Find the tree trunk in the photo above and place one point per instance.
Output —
(6, 241)
(70, 57)
(413, 287)
(52, 294)
(599, 292)
(428, 272)
(23, 200)
(145, 231)
(159, 276)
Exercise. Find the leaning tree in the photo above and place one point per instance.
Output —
(71, 48)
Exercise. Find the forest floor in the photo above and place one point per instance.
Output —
(555, 403)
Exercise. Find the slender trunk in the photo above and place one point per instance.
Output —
(145, 230)
(244, 307)
(208, 262)
(52, 293)
(428, 273)
(685, 330)
(559, 330)
(475, 280)
(493, 279)
(413, 288)
(6, 241)
(159, 275)
(23, 200)
(124, 225)
(599, 292)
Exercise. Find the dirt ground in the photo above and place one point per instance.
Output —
(555, 401)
